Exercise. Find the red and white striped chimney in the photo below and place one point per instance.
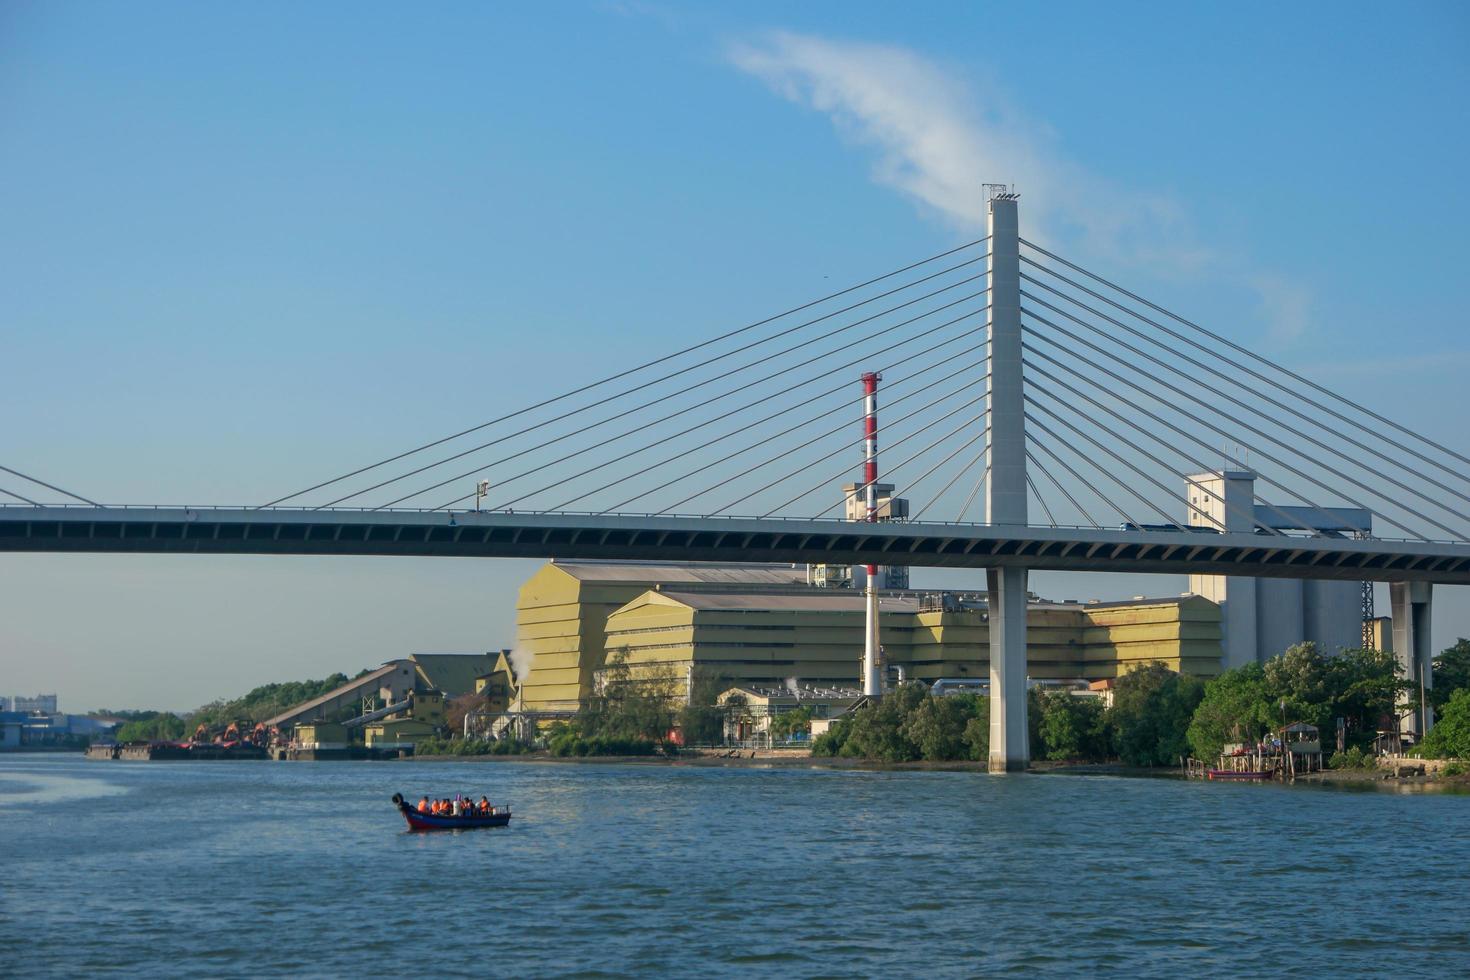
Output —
(870, 445)
(872, 683)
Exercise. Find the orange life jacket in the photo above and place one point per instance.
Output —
(424, 805)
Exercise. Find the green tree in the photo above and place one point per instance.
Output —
(629, 710)
(911, 724)
(977, 731)
(701, 721)
(1363, 685)
(1450, 736)
(1151, 712)
(1451, 672)
(833, 741)
(789, 723)
(877, 730)
(936, 726)
(1071, 727)
(701, 724)
(1301, 678)
(264, 702)
(157, 727)
(1236, 708)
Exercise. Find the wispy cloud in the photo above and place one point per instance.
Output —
(937, 138)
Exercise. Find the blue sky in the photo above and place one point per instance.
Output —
(249, 246)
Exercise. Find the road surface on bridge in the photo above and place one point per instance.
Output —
(247, 531)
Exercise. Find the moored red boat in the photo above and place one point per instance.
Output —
(498, 816)
(1249, 775)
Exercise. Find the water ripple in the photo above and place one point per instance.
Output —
(626, 871)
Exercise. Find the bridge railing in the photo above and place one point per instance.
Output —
(1298, 535)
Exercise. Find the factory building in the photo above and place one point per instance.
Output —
(562, 613)
(759, 625)
(1261, 617)
(812, 637)
(763, 625)
(43, 703)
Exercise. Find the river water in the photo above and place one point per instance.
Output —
(228, 869)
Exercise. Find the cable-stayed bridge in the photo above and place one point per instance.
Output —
(1037, 415)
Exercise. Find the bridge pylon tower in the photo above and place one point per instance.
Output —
(1005, 487)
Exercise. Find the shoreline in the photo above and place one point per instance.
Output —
(788, 759)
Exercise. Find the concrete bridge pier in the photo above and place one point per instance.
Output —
(1010, 748)
(1005, 489)
(1412, 607)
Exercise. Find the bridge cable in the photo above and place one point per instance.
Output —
(1291, 520)
(1228, 435)
(660, 400)
(1192, 417)
(1097, 444)
(1236, 347)
(735, 411)
(1041, 500)
(840, 449)
(1057, 483)
(661, 360)
(1241, 422)
(1199, 467)
(948, 435)
(950, 485)
(974, 492)
(1078, 476)
(48, 486)
(961, 448)
(12, 493)
(854, 444)
(1270, 400)
(1249, 515)
(768, 439)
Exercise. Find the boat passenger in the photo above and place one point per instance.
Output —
(458, 808)
(484, 806)
(424, 804)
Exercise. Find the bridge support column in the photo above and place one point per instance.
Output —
(1005, 490)
(1010, 748)
(1412, 605)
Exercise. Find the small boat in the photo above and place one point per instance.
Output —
(497, 817)
(1249, 775)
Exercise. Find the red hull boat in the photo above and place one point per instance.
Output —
(498, 817)
(1253, 775)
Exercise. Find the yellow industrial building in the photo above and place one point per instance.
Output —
(764, 624)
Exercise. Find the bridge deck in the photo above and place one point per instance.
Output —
(626, 537)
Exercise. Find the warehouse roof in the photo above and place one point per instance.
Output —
(691, 572)
(817, 600)
(454, 673)
(368, 680)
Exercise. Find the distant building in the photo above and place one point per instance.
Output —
(1261, 617)
(44, 703)
(397, 704)
(11, 724)
(749, 711)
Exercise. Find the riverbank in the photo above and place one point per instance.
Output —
(802, 759)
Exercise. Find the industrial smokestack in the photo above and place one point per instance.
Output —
(872, 684)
